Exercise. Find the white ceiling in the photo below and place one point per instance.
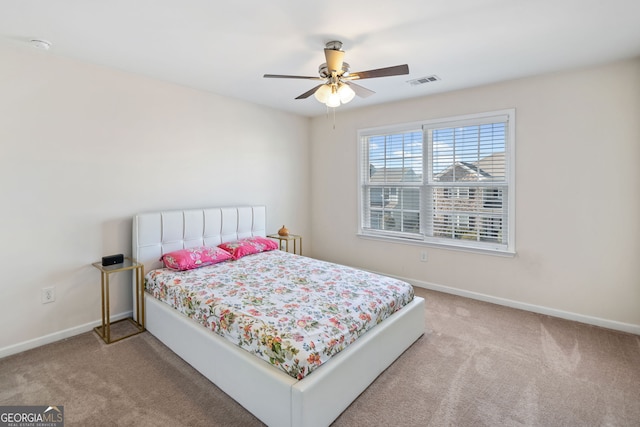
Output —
(226, 46)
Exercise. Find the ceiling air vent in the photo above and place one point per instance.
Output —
(423, 80)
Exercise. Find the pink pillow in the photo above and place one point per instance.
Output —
(248, 246)
(190, 258)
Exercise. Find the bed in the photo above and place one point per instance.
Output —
(274, 396)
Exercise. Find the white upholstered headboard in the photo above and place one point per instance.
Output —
(157, 233)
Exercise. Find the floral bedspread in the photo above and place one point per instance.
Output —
(292, 311)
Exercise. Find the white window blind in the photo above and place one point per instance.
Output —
(445, 182)
(392, 182)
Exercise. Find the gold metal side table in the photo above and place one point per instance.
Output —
(129, 264)
(286, 239)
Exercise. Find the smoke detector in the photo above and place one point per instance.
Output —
(41, 44)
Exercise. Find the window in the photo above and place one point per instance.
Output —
(445, 182)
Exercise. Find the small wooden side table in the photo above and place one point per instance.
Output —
(129, 264)
(286, 239)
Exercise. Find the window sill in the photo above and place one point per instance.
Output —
(452, 247)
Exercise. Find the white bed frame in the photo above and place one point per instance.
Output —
(268, 393)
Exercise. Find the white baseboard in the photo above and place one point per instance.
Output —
(590, 320)
(57, 336)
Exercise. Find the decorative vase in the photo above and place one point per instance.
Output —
(283, 231)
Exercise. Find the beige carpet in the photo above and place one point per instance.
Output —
(478, 364)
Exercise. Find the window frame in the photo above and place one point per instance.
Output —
(426, 184)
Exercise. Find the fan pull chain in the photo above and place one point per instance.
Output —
(334, 117)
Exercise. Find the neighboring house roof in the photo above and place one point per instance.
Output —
(473, 169)
(487, 168)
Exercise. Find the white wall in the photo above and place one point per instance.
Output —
(577, 196)
(84, 148)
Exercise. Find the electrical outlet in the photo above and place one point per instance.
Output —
(48, 295)
(423, 256)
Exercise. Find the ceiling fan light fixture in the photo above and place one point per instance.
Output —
(334, 94)
(333, 100)
(323, 93)
(346, 93)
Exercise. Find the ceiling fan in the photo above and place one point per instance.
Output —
(338, 86)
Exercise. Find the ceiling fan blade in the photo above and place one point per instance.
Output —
(334, 60)
(380, 72)
(282, 76)
(362, 92)
(309, 92)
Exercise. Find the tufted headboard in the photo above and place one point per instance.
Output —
(157, 233)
